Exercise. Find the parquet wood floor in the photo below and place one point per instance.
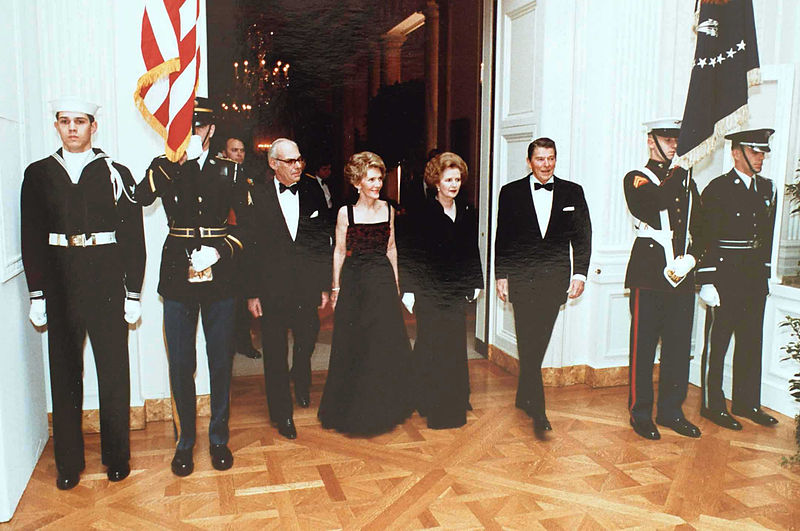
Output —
(592, 472)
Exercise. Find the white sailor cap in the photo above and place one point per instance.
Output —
(73, 104)
(666, 127)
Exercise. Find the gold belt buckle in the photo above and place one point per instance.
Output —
(77, 240)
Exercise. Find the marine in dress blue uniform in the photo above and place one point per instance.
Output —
(84, 254)
(201, 197)
(663, 202)
(738, 210)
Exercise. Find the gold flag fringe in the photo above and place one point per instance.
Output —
(721, 128)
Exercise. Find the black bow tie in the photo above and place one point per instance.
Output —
(292, 188)
(547, 186)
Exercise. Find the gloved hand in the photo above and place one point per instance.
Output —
(195, 147)
(475, 295)
(38, 313)
(133, 310)
(408, 301)
(709, 295)
(677, 270)
(204, 257)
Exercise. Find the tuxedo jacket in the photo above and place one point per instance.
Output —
(530, 261)
(280, 271)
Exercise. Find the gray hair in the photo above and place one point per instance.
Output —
(273, 149)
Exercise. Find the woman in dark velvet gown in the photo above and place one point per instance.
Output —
(366, 391)
(445, 274)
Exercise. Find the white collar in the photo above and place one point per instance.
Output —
(746, 179)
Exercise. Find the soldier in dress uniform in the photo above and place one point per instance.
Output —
(83, 252)
(665, 203)
(738, 209)
(200, 194)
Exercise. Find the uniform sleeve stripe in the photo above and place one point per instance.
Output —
(705, 269)
(152, 183)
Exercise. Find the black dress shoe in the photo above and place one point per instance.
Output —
(680, 426)
(118, 472)
(757, 415)
(287, 429)
(720, 417)
(67, 481)
(302, 396)
(250, 352)
(646, 429)
(221, 456)
(541, 424)
(182, 464)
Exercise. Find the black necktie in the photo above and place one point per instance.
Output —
(292, 188)
(548, 186)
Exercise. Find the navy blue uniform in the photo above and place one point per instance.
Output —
(659, 311)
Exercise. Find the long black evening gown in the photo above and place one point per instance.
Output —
(445, 273)
(367, 391)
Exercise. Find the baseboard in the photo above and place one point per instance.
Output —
(153, 410)
(564, 376)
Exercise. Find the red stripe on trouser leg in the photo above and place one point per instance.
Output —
(634, 348)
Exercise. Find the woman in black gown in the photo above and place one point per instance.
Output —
(444, 276)
(366, 391)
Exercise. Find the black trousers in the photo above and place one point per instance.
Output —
(440, 362)
(535, 314)
(741, 312)
(276, 321)
(93, 305)
(666, 316)
(242, 340)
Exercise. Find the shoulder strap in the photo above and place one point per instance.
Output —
(350, 215)
(389, 215)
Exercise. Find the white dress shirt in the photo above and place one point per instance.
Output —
(290, 207)
(201, 160)
(746, 179)
(325, 190)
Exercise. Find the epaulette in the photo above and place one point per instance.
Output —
(225, 159)
(162, 156)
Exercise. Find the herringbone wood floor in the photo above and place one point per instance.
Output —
(592, 472)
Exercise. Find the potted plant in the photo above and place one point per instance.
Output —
(793, 191)
(792, 349)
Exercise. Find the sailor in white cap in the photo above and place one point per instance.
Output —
(663, 202)
(83, 252)
(739, 211)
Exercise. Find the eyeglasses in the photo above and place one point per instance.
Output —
(292, 162)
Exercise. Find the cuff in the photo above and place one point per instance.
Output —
(36, 294)
(580, 277)
(132, 295)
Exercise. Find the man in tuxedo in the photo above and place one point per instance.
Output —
(288, 269)
(243, 343)
(540, 217)
(738, 211)
(202, 197)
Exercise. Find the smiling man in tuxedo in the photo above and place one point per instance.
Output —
(289, 275)
(540, 217)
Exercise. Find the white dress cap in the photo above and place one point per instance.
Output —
(72, 104)
(663, 124)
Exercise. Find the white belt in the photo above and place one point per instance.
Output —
(83, 240)
(662, 236)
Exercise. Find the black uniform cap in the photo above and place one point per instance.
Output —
(758, 139)
(203, 112)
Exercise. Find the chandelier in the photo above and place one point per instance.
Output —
(258, 79)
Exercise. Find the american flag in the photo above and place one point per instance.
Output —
(165, 93)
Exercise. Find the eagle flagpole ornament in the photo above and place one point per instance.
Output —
(165, 94)
(725, 66)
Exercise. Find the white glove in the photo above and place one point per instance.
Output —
(38, 313)
(474, 295)
(677, 270)
(133, 310)
(195, 147)
(204, 257)
(408, 301)
(709, 295)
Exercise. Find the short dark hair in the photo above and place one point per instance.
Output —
(91, 118)
(542, 142)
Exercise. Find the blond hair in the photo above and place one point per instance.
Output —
(356, 168)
